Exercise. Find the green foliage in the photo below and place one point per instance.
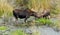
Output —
(18, 32)
(44, 21)
(3, 27)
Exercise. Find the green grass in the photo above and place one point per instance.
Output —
(18, 32)
(3, 27)
(44, 21)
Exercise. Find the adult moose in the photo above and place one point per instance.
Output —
(23, 14)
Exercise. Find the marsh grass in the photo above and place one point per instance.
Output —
(5, 8)
(57, 24)
(3, 28)
(18, 32)
(44, 21)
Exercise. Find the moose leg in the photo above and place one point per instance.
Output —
(26, 18)
(16, 18)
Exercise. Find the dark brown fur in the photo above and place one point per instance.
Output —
(23, 13)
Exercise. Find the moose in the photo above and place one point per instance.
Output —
(17, 13)
(23, 14)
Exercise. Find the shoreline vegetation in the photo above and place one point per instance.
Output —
(34, 26)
